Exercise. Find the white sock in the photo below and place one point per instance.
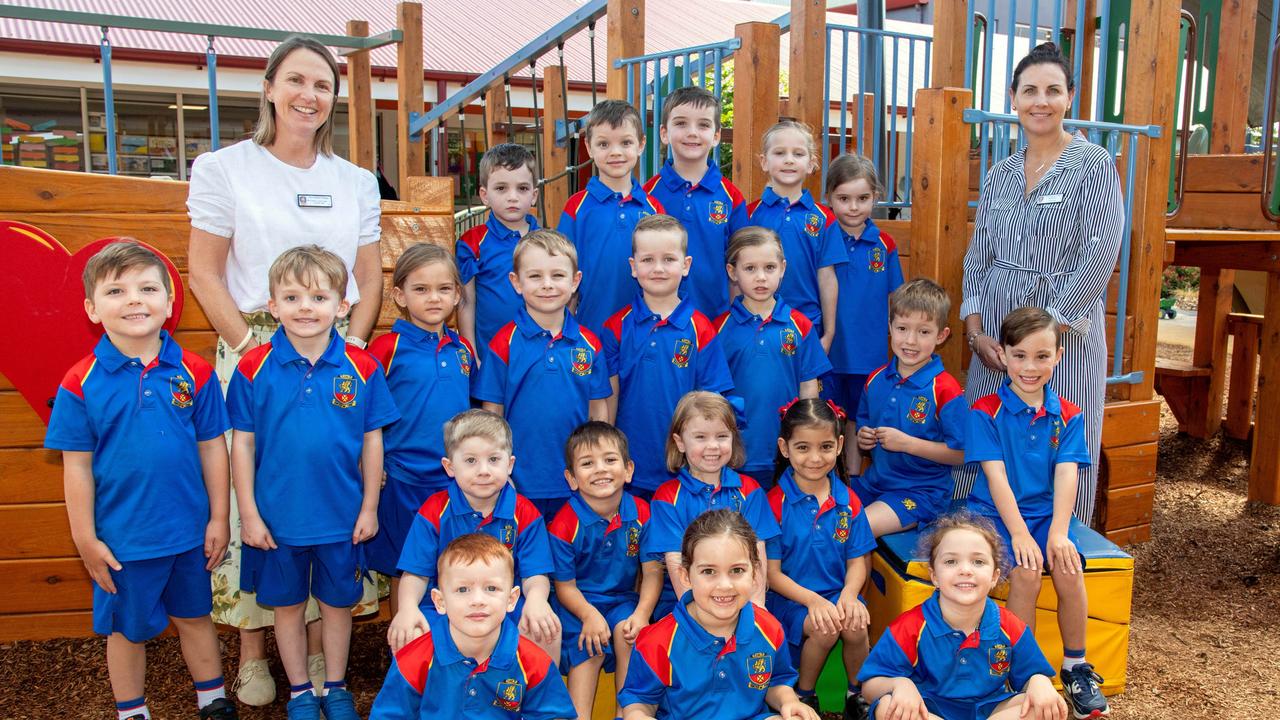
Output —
(208, 691)
(296, 690)
(132, 708)
(1069, 663)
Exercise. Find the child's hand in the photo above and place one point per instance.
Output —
(826, 340)
(1062, 553)
(1042, 701)
(630, 627)
(904, 703)
(216, 536)
(856, 616)
(824, 616)
(866, 438)
(1026, 553)
(366, 526)
(595, 635)
(893, 439)
(797, 710)
(254, 533)
(539, 622)
(100, 561)
(408, 625)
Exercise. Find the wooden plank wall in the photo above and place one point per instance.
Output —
(47, 591)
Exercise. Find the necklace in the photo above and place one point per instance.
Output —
(1052, 157)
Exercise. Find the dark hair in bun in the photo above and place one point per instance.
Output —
(1044, 54)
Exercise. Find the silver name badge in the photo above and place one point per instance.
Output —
(315, 201)
(1050, 200)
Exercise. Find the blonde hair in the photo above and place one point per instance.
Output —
(661, 223)
(264, 132)
(308, 264)
(548, 241)
(796, 125)
(921, 295)
(476, 423)
(113, 260)
(751, 236)
(709, 406)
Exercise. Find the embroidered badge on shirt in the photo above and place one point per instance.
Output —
(717, 213)
(788, 341)
(508, 695)
(344, 391)
(508, 535)
(581, 361)
(1054, 433)
(842, 527)
(917, 414)
(180, 392)
(464, 361)
(633, 541)
(759, 670)
(812, 225)
(875, 259)
(681, 358)
(999, 656)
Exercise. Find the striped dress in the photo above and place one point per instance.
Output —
(1054, 248)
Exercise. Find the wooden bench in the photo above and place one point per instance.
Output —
(1185, 387)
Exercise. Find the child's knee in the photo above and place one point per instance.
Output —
(1023, 579)
(822, 639)
(1064, 580)
(854, 637)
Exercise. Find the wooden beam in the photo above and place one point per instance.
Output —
(554, 157)
(939, 218)
(360, 102)
(950, 25)
(756, 82)
(807, 71)
(625, 39)
(1244, 375)
(1262, 256)
(412, 156)
(1210, 349)
(495, 106)
(1235, 74)
(1264, 461)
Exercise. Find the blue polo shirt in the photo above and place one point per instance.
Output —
(429, 376)
(430, 678)
(529, 373)
(683, 498)
(515, 522)
(689, 673)
(1030, 442)
(872, 272)
(711, 211)
(817, 540)
(768, 359)
(484, 255)
(806, 244)
(600, 222)
(657, 361)
(142, 425)
(601, 555)
(308, 423)
(928, 405)
(952, 671)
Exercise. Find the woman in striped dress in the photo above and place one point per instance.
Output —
(1047, 233)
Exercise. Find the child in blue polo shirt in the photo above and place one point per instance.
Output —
(690, 188)
(306, 456)
(599, 220)
(911, 417)
(140, 424)
(478, 457)
(509, 188)
(819, 563)
(717, 655)
(658, 348)
(473, 663)
(871, 272)
(773, 353)
(811, 284)
(1030, 443)
(703, 445)
(544, 359)
(959, 656)
(429, 369)
(595, 541)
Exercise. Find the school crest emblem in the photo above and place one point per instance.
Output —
(344, 391)
(633, 541)
(1054, 434)
(464, 361)
(812, 225)
(842, 527)
(717, 213)
(875, 259)
(509, 695)
(508, 535)
(759, 670)
(909, 504)
(999, 657)
(681, 357)
(581, 361)
(917, 414)
(180, 392)
(788, 341)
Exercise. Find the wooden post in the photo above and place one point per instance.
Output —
(411, 155)
(868, 129)
(1244, 375)
(555, 158)
(1210, 350)
(1089, 45)
(495, 104)
(1235, 73)
(1150, 80)
(755, 68)
(1264, 461)
(950, 21)
(939, 214)
(359, 102)
(625, 39)
(807, 72)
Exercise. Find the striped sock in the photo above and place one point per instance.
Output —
(209, 690)
(334, 685)
(303, 689)
(133, 708)
(1072, 658)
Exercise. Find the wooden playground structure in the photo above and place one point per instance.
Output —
(1227, 219)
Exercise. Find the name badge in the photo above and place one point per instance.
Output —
(1050, 200)
(318, 201)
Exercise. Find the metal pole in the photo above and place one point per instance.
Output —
(109, 102)
(214, 132)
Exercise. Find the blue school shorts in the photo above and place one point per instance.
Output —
(845, 390)
(1039, 528)
(910, 507)
(550, 506)
(952, 710)
(571, 628)
(397, 507)
(331, 572)
(792, 616)
(149, 592)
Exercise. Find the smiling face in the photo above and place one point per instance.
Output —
(963, 567)
(510, 193)
(658, 264)
(913, 338)
(1030, 363)
(787, 160)
(707, 445)
(480, 466)
(476, 597)
(720, 577)
(758, 271)
(546, 282)
(429, 295)
(599, 471)
(133, 304)
(852, 203)
(307, 310)
(691, 132)
(615, 150)
(812, 451)
(302, 93)
(1041, 99)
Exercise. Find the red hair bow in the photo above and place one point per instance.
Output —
(782, 411)
(839, 411)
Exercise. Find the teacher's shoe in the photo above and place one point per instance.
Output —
(254, 684)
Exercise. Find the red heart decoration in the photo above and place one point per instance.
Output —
(44, 326)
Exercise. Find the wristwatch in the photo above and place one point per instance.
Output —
(358, 342)
(972, 336)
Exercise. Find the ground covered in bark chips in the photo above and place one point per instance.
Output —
(1205, 640)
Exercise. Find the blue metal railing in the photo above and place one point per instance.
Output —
(657, 75)
(890, 91)
(1122, 142)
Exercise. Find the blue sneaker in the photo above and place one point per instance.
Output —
(304, 707)
(1083, 694)
(338, 704)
